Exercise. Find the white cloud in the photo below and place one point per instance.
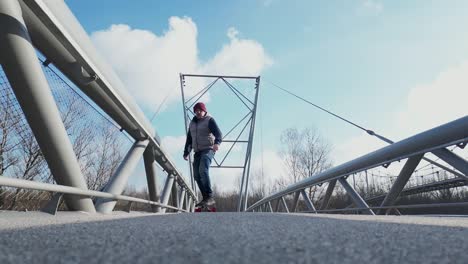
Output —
(427, 106)
(356, 147)
(432, 104)
(239, 57)
(149, 65)
(174, 145)
(370, 8)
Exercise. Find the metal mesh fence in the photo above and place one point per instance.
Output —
(97, 141)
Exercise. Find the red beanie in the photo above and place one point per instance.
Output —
(200, 106)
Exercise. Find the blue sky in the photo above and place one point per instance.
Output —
(397, 67)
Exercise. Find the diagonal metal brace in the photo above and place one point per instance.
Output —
(52, 205)
(357, 199)
(128, 208)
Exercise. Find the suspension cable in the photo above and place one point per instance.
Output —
(319, 107)
(162, 103)
(368, 131)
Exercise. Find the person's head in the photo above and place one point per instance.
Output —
(199, 109)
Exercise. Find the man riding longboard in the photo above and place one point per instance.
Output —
(204, 137)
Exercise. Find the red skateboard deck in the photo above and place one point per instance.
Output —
(205, 209)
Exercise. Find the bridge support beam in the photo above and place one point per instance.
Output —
(20, 63)
(164, 199)
(189, 204)
(328, 194)
(453, 159)
(186, 201)
(277, 205)
(150, 169)
(175, 196)
(357, 199)
(308, 202)
(295, 201)
(400, 182)
(270, 207)
(181, 198)
(285, 205)
(117, 183)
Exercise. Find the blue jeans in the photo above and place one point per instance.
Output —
(201, 171)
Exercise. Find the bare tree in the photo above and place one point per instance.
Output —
(304, 153)
(101, 164)
(259, 186)
(8, 119)
(291, 143)
(314, 155)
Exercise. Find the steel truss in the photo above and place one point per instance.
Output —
(435, 140)
(51, 27)
(248, 119)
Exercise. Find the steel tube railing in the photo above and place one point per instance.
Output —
(452, 133)
(28, 82)
(396, 207)
(32, 185)
(65, 33)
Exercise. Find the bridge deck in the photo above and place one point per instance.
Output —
(74, 237)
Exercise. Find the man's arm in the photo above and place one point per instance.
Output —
(188, 145)
(215, 131)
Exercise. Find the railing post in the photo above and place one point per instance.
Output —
(308, 202)
(175, 195)
(181, 198)
(192, 204)
(189, 204)
(283, 201)
(150, 169)
(400, 182)
(118, 181)
(270, 208)
(328, 194)
(277, 205)
(19, 60)
(187, 200)
(357, 199)
(296, 201)
(164, 199)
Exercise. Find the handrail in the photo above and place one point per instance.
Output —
(62, 33)
(452, 133)
(32, 185)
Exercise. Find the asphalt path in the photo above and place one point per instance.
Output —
(74, 237)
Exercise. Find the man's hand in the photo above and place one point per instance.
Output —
(215, 147)
(186, 157)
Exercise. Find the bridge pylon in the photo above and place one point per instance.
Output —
(249, 99)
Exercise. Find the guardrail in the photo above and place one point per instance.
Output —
(61, 189)
(413, 148)
(51, 27)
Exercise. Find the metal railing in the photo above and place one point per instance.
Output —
(62, 189)
(412, 149)
(53, 30)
